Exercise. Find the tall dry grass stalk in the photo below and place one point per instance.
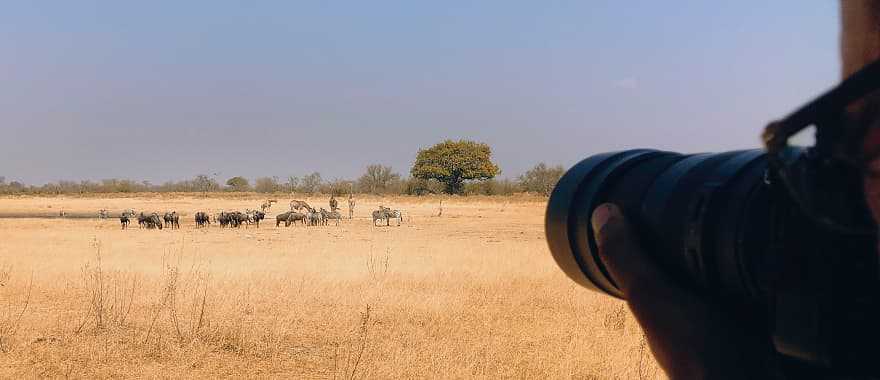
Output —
(11, 318)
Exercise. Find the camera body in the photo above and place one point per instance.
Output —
(783, 235)
(725, 226)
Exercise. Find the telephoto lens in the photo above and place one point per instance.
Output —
(701, 213)
(722, 225)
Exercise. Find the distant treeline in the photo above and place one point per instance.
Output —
(377, 179)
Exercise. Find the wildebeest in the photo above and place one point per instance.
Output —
(326, 215)
(123, 219)
(282, 218)
(237, 218)
(294, 217)
(255, 216)
(289, 217)
(202, 219)
(386, 214)
(172, 220)
(223, 219)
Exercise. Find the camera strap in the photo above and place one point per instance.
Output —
(824, 110)
(825, 181)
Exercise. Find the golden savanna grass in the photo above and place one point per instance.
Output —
(471, 294)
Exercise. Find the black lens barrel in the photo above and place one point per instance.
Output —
(723, 225)
(697, 212)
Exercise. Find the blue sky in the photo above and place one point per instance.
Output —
(165, 90)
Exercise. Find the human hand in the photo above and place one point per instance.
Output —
(691, 336)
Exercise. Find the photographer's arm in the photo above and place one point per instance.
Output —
(691, 337)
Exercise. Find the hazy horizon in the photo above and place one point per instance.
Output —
(168, 90)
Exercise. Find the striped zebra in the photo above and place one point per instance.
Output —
(386, 214)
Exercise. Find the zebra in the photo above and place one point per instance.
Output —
(386, 214)
(314, 218)
(175, 220)
(172, 220)
(103, 214)
(123, 219)
(326, 215)
(151, 221)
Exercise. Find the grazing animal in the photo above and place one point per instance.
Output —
(267, 205)
(130, 214)
(296, 205)
(142, 220)
(386, 214)
(123, 219)
(294, 217)
(237, 218)
(256, 216)
(175, 220)
(282, 218)
(350, 206)
(314, 218)
(171, 220)
(289, 217)
(153, 221)
(223, 219)
(202, 219)
(327, 215)
(103, 214)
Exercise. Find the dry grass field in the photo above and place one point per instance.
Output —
(473, 293)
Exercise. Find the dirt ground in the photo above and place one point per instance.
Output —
(473, 293)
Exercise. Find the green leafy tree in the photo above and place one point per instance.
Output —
(454, 162)
(238, 184)
(541, 178)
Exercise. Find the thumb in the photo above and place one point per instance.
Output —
(634, 273)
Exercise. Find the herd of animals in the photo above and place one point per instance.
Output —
(300, 212)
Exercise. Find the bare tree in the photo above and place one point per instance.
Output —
(541, 178)
(266, 185)
(311, 183)
(377, 179)
(292, 184)
(202, 183)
